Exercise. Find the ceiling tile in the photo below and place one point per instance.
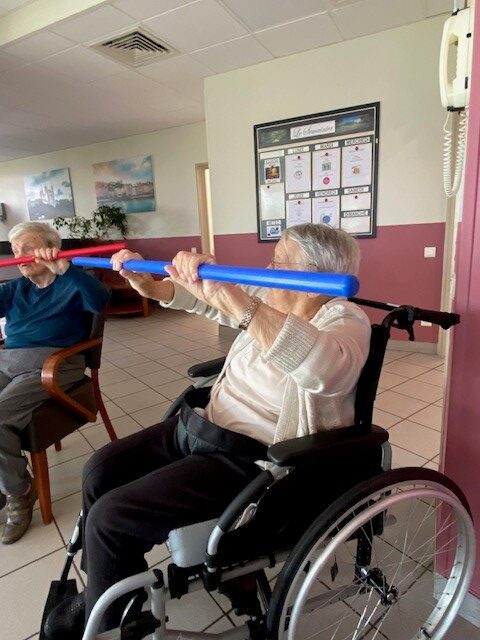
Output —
(182, 73)
(142, 9)
(10, 96)
(337, 4)
(81, 64)
(371, 16)
(132, 89)
(24, 119)
(11, 5)
(242, 52)
(434, 7)
(260, 15)
(8, 62)
(39, 46)
(85, 105)
(185, 116)
(32, 81)
(309, 33)
(94, 25)
(196, 26)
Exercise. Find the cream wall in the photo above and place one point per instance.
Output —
(396, 67)
(175, 152)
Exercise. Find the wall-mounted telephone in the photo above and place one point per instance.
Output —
(455, 51)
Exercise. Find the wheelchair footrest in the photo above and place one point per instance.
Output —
(58, 592)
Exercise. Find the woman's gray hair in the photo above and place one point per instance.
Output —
(330, 250)
(51, 237)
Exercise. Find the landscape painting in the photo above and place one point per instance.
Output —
(126, 183)
(49, 195)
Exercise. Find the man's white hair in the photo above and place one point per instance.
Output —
(51, 237)
(330, 250)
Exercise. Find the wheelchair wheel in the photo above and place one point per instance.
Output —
(391, 559)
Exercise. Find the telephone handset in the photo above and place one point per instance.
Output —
(456, 39)
(454, 93)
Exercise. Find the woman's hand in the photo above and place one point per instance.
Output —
(48, 257)
(184, 271)
(144, 283)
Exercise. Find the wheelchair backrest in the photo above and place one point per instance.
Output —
(368, 381)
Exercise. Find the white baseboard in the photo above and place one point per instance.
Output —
(470, 609)
(394, 345)
(419, 347)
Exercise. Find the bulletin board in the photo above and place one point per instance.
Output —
(318, 168)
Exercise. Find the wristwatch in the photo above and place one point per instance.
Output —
(249, 313)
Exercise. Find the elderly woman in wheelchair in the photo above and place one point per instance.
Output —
(288, 399)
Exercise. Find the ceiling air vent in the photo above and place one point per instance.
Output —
(136, 48)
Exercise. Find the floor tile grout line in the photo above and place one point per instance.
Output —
(414, 452)
(431, 404)
(56, 464)
(411, 397)
(422, 425)
(46, 555)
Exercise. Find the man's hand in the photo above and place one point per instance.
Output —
(48, 257)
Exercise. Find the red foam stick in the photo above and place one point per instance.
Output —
(69, 253)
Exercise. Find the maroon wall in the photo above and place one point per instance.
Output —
(461, 445)
(393, 268)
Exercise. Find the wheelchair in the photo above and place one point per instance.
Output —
(366, 552)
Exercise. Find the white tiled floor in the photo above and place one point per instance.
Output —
(144, 367)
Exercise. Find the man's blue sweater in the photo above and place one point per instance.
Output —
(55, 316)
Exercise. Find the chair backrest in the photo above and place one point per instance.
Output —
(368, 381)
(94, 355)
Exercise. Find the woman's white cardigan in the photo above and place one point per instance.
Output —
(323, 359)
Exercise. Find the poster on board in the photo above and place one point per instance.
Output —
(320, 168)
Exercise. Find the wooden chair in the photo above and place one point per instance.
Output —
(65, 411)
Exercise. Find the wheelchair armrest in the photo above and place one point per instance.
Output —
(325, 444)
(251, 493)
(206, 369)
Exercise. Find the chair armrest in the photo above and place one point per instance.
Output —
(206, 369)
(49, 377)
(325, 444)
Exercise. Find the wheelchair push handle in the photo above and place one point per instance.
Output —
(443, 319)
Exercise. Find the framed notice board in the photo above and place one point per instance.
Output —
(318, 168)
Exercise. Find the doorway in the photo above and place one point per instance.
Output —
(202, 174)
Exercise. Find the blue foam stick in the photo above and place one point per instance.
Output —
(332, 284)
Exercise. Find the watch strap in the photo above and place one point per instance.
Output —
(249, 313)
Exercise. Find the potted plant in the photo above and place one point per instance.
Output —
(105, 224)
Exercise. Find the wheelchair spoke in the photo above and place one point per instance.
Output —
(360, 622)
(390, 567)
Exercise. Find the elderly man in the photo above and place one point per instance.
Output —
(292, 371)
(46, 309)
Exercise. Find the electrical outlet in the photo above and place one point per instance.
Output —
(425, 324)
(193, 249)
(430, 252)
